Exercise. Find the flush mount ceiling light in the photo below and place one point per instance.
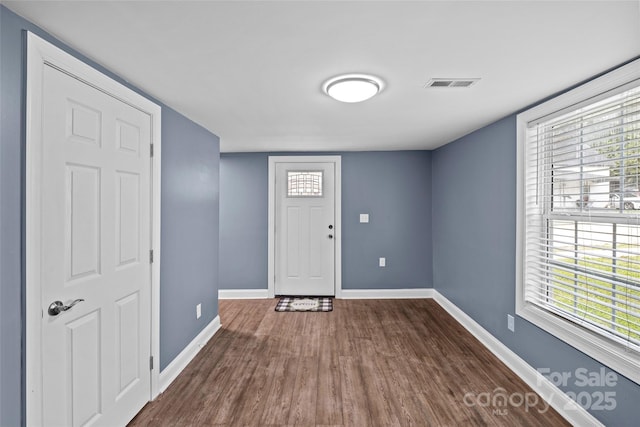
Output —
(353, 87)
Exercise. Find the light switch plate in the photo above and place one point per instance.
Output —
(383, 262)
(364, 218)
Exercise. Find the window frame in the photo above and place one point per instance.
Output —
(616, 356)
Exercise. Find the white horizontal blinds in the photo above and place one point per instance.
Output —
(582, 189)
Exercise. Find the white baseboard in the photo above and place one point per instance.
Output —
(243, 293)
(344, 293)
(387, 293)
(182, 360)
(556, 398)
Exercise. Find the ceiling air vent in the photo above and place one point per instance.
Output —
(450, 83)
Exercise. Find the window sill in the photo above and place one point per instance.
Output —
(624, 360)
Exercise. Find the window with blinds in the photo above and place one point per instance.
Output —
(580, 218)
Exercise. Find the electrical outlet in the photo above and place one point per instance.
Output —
(510, 323)
(364, 218)
(383, 262)
(198, 311)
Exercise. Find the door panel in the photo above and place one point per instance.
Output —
(95, 229)
(127, 137)
(82, 200)
(318, 232)
(84, 123)
(305, 208)
(127, 218)
(127, 337)
(85, 376)
(293, 242)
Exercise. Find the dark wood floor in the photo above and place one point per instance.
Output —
(367, 363)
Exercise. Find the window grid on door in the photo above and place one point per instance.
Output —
(304, 183)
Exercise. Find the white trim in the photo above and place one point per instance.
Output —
(387, 293)
(337, 160)
(271, 232)
(614, 355)
(611, 354)
(586, 93)
(33, 291)
(40, 54)
(181, 361)
(243, 294)
(156, 191)
(555, 397)
(338, 228)
(346, 293)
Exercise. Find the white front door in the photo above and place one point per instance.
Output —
(305, 229)
(95, 242)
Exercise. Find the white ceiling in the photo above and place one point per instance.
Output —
(252, 72)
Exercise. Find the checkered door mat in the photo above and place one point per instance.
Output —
(305, 304)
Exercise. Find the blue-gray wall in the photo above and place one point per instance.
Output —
(189, 221)
(394, 188)
(11, 170)
(190, 198)
(244, 194)
(474, 240)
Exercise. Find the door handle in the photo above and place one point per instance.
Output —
(58, 307)
(331, 236)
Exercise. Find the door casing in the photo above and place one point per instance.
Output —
(271, 258)
(40, 54)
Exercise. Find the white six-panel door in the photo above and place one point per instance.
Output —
(96, 235)
(94, 231)
(305, 229)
